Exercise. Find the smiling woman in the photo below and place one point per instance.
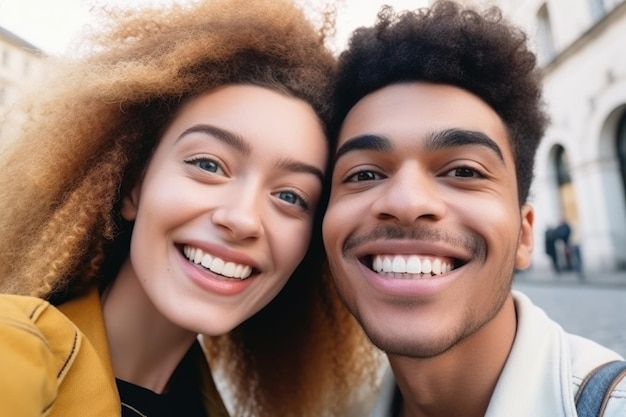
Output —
(216, 186)
(167, 183)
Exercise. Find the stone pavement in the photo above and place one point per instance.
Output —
(603, 278)
(589, 310)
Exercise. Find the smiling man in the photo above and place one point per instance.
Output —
(438, 118)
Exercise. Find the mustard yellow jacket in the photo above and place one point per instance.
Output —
(55, 361)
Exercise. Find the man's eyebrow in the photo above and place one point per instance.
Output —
(448, 138)
(293, 165)
(229, 138)
(367, 142)
(451, 138)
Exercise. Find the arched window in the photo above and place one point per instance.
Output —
(597, 9)
(546, 50)
(562, 167)
(565, 186)
(566, 226)
(621, 147)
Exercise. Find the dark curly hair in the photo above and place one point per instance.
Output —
(450, 44)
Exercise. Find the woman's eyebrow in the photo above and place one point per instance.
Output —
(241, 145)
(296, 166)
(228, 137)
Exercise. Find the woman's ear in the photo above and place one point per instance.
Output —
(130, 204)
(526, 240)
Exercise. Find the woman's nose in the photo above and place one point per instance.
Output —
(239, 215)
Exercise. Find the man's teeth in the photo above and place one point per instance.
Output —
(413, 264)
(217, 265)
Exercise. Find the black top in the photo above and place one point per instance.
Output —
(396, 404)
(182, 397)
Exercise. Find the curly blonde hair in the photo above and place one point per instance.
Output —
(87, 134)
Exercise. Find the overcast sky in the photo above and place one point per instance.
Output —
(51, 24)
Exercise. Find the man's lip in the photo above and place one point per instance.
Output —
(437, 265)
(410, 287)
(411, 247)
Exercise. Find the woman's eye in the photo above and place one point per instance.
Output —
(206, 164)
(363, 176)
(464, 172)
(294, 198)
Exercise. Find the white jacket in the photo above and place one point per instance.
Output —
(542, 374)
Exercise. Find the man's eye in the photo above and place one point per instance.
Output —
(464, 172)
(206, 164)
(363, 176)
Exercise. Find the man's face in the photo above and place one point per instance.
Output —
(424, 229)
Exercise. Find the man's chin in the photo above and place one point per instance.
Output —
(407, 346)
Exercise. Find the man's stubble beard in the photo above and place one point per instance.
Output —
(418, 349)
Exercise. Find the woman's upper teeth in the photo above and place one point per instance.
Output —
(217, 265)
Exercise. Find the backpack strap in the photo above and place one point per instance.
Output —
(596, 388)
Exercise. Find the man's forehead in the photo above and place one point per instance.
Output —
(420, 109)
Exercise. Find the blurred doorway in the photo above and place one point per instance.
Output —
(621, 148)
(565, 235)
(567, 195)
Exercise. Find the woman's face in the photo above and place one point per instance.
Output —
(224, 212)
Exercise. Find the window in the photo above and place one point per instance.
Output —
(562, 167)
(621, 147)
(26, 67)
(5, 58)
(545, 39)
(611, 4)
(597, 9)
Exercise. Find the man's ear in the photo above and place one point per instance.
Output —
(526, 239)
(130, 204)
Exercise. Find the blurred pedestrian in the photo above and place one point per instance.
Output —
(551, 249)
(562, 233)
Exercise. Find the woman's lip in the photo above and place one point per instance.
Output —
(214, 283)
(215, 264)
(222, 252)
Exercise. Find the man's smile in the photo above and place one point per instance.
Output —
(411, 264)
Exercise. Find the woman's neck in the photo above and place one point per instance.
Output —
(145, 347)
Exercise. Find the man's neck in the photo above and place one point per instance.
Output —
(461, 381)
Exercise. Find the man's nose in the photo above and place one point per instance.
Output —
(410, 193)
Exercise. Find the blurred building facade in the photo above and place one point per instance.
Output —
(20, 62)
(581, 163)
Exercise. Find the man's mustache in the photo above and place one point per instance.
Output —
(471, 243)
